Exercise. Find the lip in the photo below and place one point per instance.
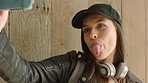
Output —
(96, 43)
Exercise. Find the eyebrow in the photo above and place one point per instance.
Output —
(95, 22)
(100, 20)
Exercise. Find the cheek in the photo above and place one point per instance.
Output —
(112, 40)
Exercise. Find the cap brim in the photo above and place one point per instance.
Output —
(78, 18)
(16, 4)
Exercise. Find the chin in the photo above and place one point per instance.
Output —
(100, 59)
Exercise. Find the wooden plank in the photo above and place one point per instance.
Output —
(30, 31)
(64, 37)
(146, 76)
(133, 17)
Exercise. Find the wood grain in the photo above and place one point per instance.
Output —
(146, 38)
(133, 14)
(64, 36)
(30, 31)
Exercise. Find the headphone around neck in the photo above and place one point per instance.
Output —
(107, 69)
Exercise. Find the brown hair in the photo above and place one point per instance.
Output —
(119, 54)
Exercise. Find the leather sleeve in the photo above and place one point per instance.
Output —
(14, 69)
(131, 78)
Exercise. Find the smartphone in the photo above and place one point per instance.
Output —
(16, 4)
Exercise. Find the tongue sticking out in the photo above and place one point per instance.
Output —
(96, 50)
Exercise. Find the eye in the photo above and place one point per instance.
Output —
(101, 26)
(86, 30)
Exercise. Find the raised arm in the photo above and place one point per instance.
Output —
(14, 69)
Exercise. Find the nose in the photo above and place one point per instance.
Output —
(94, 34)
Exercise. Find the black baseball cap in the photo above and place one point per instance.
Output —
(103, 9)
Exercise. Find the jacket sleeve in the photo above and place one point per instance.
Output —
(131, 78)
(14, 69)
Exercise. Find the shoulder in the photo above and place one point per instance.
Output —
(132, 78)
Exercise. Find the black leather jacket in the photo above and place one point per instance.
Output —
(14, 69)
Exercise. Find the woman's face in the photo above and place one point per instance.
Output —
(100, 36)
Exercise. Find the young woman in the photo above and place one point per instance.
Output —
(102, 56)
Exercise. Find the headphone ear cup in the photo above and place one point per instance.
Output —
(107, 70)
(122, 70)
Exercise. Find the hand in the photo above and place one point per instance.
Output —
(3, 18)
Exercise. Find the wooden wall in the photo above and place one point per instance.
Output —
(146, 42)
(46, 30)
(134, 25)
